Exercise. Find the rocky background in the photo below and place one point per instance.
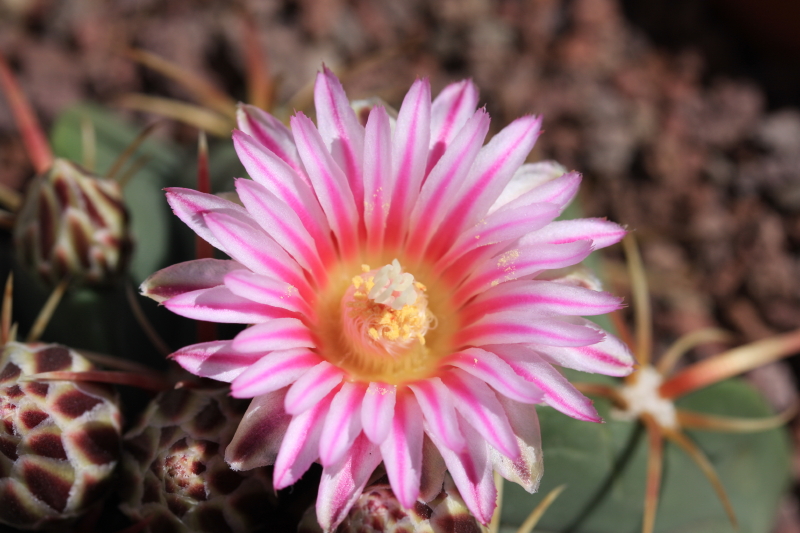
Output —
(682, 115)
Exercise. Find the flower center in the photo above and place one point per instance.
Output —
(380, 325)
(386, 311)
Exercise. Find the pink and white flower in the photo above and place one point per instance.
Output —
(395, 278)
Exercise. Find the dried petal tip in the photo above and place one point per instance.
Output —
(59, 442)
(174, 474)
(73, 223)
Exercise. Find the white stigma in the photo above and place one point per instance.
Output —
(393, 287)
(642, 397)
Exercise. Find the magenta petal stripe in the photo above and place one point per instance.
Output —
(406, 289)
(504, 226)
(377, 176)
(215, 360)
(187, 277)
(449, 112)
(610, 356)
(277, 334)
(339, 128)
(273, 371)
(312, 387)
(192, 206)
(602, 232)
(267, 291)
(330, 184)
(342, 424)
(522, 262)
(558, 392)
(402, 450)
(283, 225)
(439, 411)
(477, 404)
(510, 327)
(472, 473)
(278, 178)
(495, 372)
(300, 446)
(341, 484)
(377, 411)
(409, 154)
(493, 169)
(549, 297)
(270, 132)
(219, 304)
(445, 179)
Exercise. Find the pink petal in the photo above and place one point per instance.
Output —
(609, 356)
(377, 411)
(281, 223)
(477, 403)
(377, 176)
(442, 184)
(493, 169)
(312, 387)
(559, 393)
(277, 334)
(191, 206)
(187, 277)
(273, 371)
(547, 297)
(343, 423)
(433, 471)
(278, 178)
(267, 291)
(519, 263)
(449, 112)
(330, 183)
(527, 470)
(402, 450)
(259, 434)
(526, 179)
(439, 410)
(559, 191)
(409, 154)
(522, 326)
(270, 132)
(249, 245)
(339, 128)
(300, 447)
(601, 232)
(219, 304)
(489, 368)
(342, 483)
(472, 473)
(504, 226)
(215, 360)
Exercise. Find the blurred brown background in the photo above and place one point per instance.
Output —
(683, 114)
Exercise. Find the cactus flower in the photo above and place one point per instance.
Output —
(399, 281)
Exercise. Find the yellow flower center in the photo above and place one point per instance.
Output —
(379, 325)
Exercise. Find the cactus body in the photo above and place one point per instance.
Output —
(174, 472)
(59, 441)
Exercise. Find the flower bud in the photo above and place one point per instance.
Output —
(73, 223)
